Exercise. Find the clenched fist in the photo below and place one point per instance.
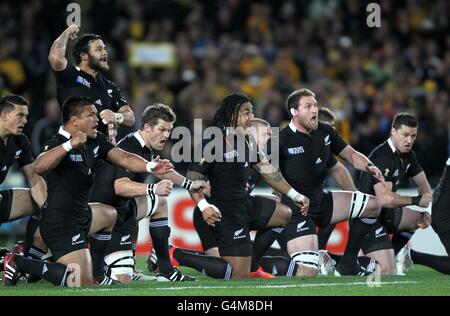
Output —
(72, 31)
(425, 200)
(78, 139)
(163, 188)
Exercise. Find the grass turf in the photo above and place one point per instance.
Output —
(419, 281)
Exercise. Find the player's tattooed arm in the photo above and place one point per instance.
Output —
(57, 55)
(273, 177)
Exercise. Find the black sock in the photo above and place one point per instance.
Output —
(335, 257)
(438, 263)
(213, 267)
(278, 265)
(133, 249)
(440, 219)
(400, 239)
(358, 228)
(363, 260)
(98, 244)
(324, 235)
(160, 232)
(263, 240)
(275, 252)
(32, 226)
(55, 273)
(34, 252)
(134, 238)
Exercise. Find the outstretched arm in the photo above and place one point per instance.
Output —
(342, 177)
(136, 163)
(361, 162)
(49, 160)
(275, 179)
(422, 183)
(124, 116)
(128, 188)
(211, 214)
(38, 187)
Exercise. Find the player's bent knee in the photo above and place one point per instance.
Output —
(161, 210)
(308, 262)
(123, 278)
(364, 205)
(386, 268)
(111, 217)
(120, 265)
(305, 271)
(286, 214)
(374, 206)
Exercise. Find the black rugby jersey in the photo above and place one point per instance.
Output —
(70, 183)
(228, 176)
(72, 81)
(394, 166)
(304, 159)
(17, 148)
(107, 173)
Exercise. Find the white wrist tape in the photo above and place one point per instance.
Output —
(151, 188)
(295, 196)
(187, 184)
(119, 118)
(67, 146)
(202, 204)
(150, 166)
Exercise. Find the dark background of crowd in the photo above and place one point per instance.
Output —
(265, 49)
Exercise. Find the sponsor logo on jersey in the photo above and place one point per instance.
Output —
(76, 240)
(300, 227)
(18, 154)
(230, 154)
(76, 158)
(237, 234)
(380, 232)
(83, 81)
(296, 150)
(327, 140)
(125, 240)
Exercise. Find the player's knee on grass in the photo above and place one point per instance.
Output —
(307, 261)
(120, 265)
(385, 263)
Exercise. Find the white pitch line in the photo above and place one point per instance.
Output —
(280, 286)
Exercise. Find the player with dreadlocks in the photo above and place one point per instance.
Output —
(230, 211)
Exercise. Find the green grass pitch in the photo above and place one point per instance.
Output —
(419, 281)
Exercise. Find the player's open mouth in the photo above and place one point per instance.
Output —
(162, 142)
